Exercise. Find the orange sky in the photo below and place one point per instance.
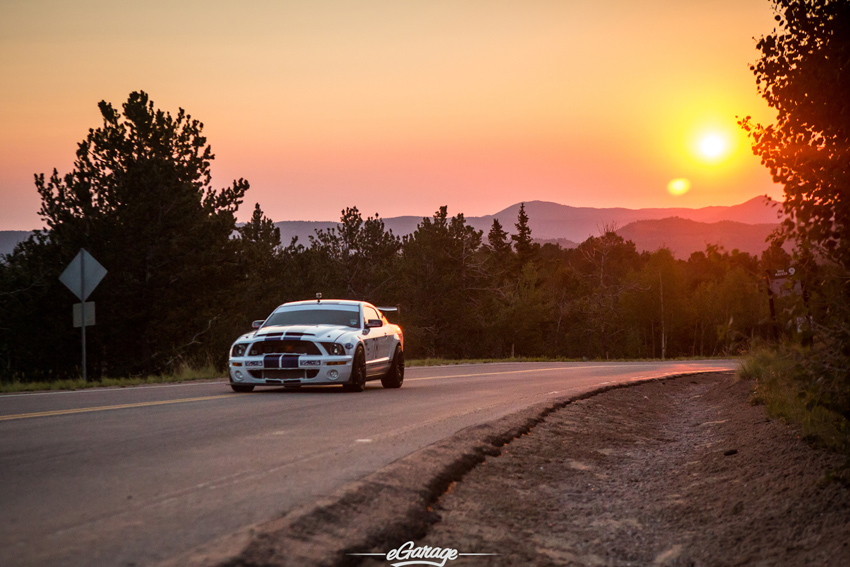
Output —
(397, 106)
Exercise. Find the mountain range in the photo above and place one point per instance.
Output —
(744, 226)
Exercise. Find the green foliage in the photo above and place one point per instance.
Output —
(804, 74)
(784, 383)
(357, 260)
(443, 282)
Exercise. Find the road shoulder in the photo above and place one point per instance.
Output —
(679, 471)
(675, 472)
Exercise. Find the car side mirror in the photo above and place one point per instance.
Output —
(374, 323)
(257, 324)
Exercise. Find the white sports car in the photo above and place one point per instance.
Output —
(319, 342)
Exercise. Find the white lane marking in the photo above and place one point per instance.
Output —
(362, 440)
(556, 368)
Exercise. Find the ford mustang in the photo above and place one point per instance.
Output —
(319, 342)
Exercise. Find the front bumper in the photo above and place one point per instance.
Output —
(290, 371)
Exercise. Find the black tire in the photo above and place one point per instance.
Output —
(394, 377)
(357, 382)
(242, 388)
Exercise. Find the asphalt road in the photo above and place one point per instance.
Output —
(134, 476)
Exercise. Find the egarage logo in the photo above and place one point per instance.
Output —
(407, 554)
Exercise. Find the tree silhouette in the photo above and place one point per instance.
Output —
(139, 198)
(804, 74)
(523, 244)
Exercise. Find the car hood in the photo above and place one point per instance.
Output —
(321, 333)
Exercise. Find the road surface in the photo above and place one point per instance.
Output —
(134, 476)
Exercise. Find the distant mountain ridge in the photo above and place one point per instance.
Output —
(552, 221)
(685, 236)
(556, 222)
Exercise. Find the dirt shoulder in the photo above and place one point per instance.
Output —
(681, 471)
(676, 472)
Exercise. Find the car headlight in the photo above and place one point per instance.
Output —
(334, 349)
(238, 350)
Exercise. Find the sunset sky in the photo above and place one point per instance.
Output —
(399, 107)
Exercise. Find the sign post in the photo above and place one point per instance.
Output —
(81, 276)
(781, 283)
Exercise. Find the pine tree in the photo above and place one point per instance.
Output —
(498, 239)
(139, 199)
(525, 248)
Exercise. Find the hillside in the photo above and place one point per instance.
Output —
(684, 236)
(552, 221)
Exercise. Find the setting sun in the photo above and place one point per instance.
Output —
(713, 147)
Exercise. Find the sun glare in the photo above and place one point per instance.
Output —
(713, 147)
(678, 186)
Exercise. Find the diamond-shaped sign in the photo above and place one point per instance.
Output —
(83, 274)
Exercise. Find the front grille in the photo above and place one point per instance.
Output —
(283, 373)
(283, 347)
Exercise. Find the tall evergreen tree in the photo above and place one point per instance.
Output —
(497, 239)
(356, 260)
(523, 244)
(443, 282)
(140, 199)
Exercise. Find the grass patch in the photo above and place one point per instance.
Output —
(182, 374)
(785, 386)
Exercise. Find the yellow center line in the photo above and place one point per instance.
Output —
(104, 408)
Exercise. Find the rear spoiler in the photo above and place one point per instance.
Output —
(388, 309)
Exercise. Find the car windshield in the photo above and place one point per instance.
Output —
(341, 317)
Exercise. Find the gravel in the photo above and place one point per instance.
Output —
(681, 472)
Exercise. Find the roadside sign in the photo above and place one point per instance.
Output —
(78, 314)
(778, 281)
(83, 274)
(779, 288)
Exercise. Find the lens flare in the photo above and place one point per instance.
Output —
(678, 186)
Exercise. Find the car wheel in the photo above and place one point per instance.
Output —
(242, 388)
(357, 382)
(395, 375)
